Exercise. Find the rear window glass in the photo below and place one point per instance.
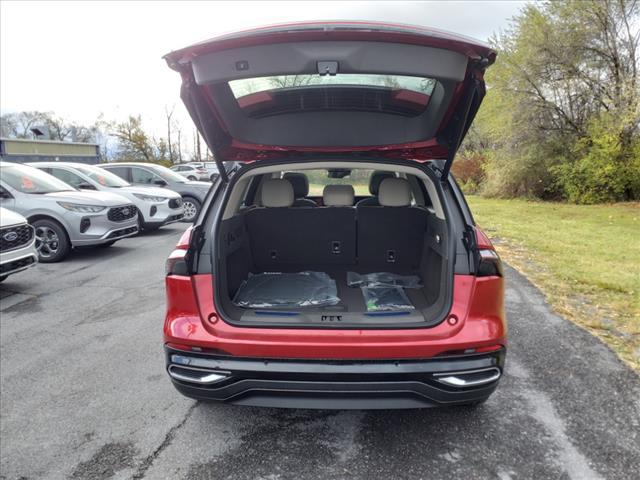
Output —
(318, 179)
(284, 94)
(247, 86)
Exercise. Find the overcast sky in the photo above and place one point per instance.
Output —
(80, 59)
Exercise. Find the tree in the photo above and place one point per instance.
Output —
(19, 125)
(169, 113)
(135, 144)
(566, 72)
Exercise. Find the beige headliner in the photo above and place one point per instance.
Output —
(233, 205)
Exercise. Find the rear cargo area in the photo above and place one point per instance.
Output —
(332, 241)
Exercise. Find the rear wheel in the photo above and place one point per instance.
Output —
(213, 177)
(191, 209)
(191, 177)
(52, 242)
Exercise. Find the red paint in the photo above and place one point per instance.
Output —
(477, 303)
(335, 31)
(482, 240)
(232, 149)
(185, 238)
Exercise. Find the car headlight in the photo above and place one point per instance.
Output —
(78, 207)
(150, 198)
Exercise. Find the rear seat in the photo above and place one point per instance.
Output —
(283, 234)
(389, 235)
(393, 233)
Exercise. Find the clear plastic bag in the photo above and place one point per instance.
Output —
(380, 299)
(383, 279)
(287, 290)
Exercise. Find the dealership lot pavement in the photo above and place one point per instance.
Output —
(84, 395)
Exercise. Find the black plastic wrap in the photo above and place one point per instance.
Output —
(287, 290)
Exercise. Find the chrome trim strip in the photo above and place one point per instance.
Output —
(454, 378)
(207, 378)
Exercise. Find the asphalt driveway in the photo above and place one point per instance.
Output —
(84, 395)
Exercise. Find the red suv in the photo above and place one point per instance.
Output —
(335, 296)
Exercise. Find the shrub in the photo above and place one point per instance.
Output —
(603, 169)
(468, 169)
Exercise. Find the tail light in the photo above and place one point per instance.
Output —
(488, 262)
(176, 264)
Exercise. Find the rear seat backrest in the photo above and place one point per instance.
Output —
(281, 234)
(393, 233)
(277, 192)
(338, 196)
(300, 184)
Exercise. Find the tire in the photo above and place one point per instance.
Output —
(192, 178)
(191, 209)
(52, 242)
(3, 278)
(213, 177)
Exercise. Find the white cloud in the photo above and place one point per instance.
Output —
(80, 59)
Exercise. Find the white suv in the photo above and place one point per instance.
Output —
(156, 206)
(17, 244)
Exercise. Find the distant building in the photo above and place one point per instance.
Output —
(23, 151)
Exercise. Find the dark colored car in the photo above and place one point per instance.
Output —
(150, 174)
(289, 296)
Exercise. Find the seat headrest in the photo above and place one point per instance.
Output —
(338, 196)
(394, 192)
(277, 192)
(376, 179)
(300, 183)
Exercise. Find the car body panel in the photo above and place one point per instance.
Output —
(188, 171)
(187, 188)
(236, 89)
(16, 255)
(163, 213)
(102, 230)
(457, 63)
(477, 306)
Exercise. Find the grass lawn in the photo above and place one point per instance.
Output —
(586, 259)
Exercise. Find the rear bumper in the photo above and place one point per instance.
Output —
(331, 384)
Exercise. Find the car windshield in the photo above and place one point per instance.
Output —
(27, 179)
(168, 174)
(102, 176)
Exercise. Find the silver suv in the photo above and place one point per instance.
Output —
(156, 206)
(192, 192)
(62, 216)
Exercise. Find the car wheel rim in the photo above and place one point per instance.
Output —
(189, 210)
(47, 242)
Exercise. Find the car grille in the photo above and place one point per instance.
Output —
(16, 265)
(120, 214)
(122, 232)
(175, 203)
(15, 237)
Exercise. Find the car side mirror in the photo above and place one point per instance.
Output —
(85, 186)
(160, 182)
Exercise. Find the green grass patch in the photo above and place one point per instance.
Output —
(585, 258)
